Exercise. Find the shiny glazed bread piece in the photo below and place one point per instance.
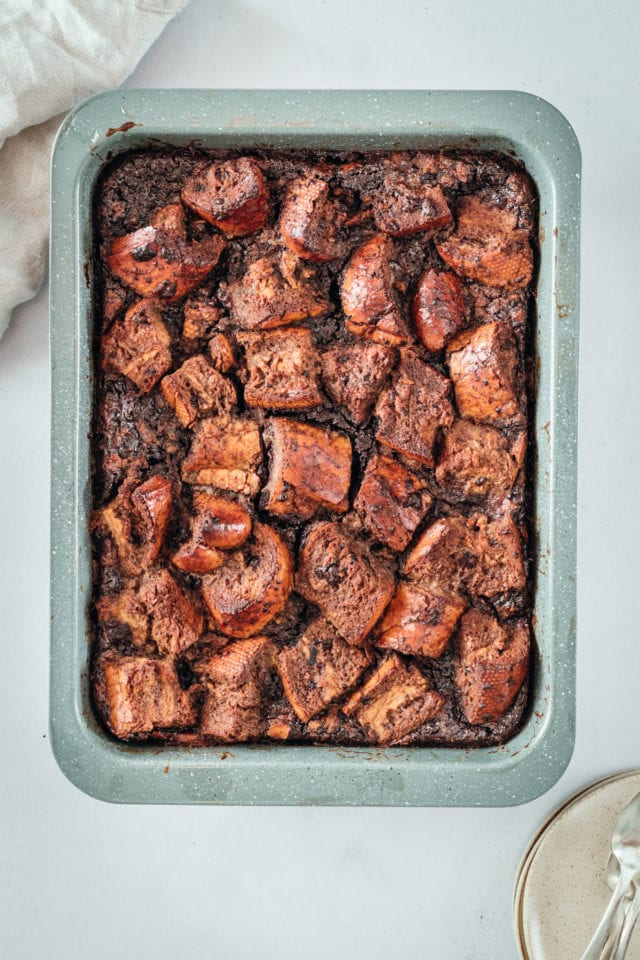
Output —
(413, 408)
(391, 501)
(349, 583)
(175, 623)
(312, 220)
(231, 195)
(252, 585)
(309, 468)
(225, 453)
(485, 369)
(139, 695)
(275, 291)
(354, 373)
(487, 245)
(159, 261)
(234, 681)
(408, 201)
(195, 390)
(476, 463)
(135, 522)
(137, 346)
(492, 661)
(221, 523)
(438, 308)
(419, 622)
(394, 701)
(218, 525)
(320, 668)
(195, 557)
(368, 295)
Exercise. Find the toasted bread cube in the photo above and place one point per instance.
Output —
(199, 319)
(487, 245)
(443, 557)
(175, 622)
(476, 463)
(354, 374)
(114, 299)
(394, 702)
(320, 668)
(492, 662)
(418, 621)
(221, 353)
(283, 369)
(136, 521)
(171, 219)
(158, 260)
(484, 367)
(489, 304)
(153, 501)
(136, 346)
(225, 453)
(438, 308)
(235, 681)
(413, 408)
(406, 204)
(142, 695)
(350, 583)
(274, 292)
(309, 468)
(391, 501)
(500, 573)
(232, 195)
(195, 389)
(480, 556)
(252, 586)
(126, 608)
(116, 523)
(368, 296)
(312, 220)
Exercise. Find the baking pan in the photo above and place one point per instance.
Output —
(515, 123)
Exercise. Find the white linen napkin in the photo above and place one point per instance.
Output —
(54, 53)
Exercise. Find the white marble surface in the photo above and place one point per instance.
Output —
(84, 879)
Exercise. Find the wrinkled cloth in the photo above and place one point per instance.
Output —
(54, 53)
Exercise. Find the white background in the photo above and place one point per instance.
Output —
(82, 879)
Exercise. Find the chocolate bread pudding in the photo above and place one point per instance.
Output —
(311, 465)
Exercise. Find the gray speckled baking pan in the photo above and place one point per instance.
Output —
(512, 122)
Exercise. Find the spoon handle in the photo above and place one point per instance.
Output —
(630, 918)
(603, 932)
(612, 945)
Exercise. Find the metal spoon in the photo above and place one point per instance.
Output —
(610, 951)
(626, 915)
(625, 846)
(631, 916)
